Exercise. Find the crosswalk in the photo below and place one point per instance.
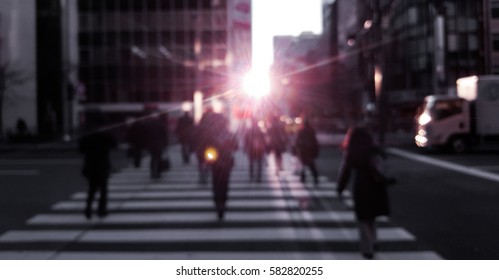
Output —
(174, 218)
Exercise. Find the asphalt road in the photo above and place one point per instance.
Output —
(455, 214)
(452, 213)
(30, 182)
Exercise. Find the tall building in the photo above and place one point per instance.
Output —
(433, 44)
(153, 54)
(296, 60)
(491, 44)
(18, 84)
(405, 50)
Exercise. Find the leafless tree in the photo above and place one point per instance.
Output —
(10, 77)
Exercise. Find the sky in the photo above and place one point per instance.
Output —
(281, 17)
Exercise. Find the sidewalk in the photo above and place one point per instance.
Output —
(52, 146)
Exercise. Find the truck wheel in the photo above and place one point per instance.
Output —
(459, 145)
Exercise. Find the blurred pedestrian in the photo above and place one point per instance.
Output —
(184, 130)
(369, 185)
(220, 146)
(156, 142)
(96, 147)
(307, 150)
(278, 141)
(202, 133)
(136, 139)
(255, 146)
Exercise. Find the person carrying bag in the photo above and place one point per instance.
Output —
(370, 194)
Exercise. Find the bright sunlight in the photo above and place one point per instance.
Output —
(256, 84)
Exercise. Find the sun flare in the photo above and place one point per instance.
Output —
(256, 84)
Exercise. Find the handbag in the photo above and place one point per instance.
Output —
(381, 180)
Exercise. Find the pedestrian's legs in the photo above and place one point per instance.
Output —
(259, 163)
(302, 175)
(220, 188)
(251, 162)
(92, 188)
(367, 232)
(155, 164)
(185, 152)
(278, 160)
(137, 156)
(202, 169)
(313, 169)
(102, 211)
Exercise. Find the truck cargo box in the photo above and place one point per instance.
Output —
(483, 91)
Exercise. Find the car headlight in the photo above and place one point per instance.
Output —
(424, 119)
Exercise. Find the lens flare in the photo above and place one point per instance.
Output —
(210, 154)
(256, 84)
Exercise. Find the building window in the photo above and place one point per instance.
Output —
(83, 5)
(178, 4)
(494, 9)
(472, 42)
(192, 4)
(495, 42)
(206, 37)
(124, 6)
(452, 43)
(164, 5)
(138, 5)
(413, 15)
(109, 5)
(151, 5)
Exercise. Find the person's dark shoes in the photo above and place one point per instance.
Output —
(102, 213)
(88, 213)
(220, 214)
(368, 256)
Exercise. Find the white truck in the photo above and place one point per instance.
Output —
(468, 120)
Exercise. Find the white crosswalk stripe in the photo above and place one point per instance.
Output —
(173, 218)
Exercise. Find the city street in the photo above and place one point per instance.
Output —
(451, 212)
(174, 218)
(436, 212)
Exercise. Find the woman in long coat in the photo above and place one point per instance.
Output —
(369, 190)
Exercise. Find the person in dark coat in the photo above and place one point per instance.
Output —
(156, 142)
(254, 144)
(220, 147)
(369, 194)
(278, 141)
(95, 148)
(202, 133)
(307, 150)
(136, 139)
(184, 131)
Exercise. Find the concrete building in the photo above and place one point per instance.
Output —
(18, 82)
(405, 50)
(295, 63)
(137, 55)
(491, 44)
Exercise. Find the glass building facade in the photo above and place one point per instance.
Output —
(151, 51)
(430, 44)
